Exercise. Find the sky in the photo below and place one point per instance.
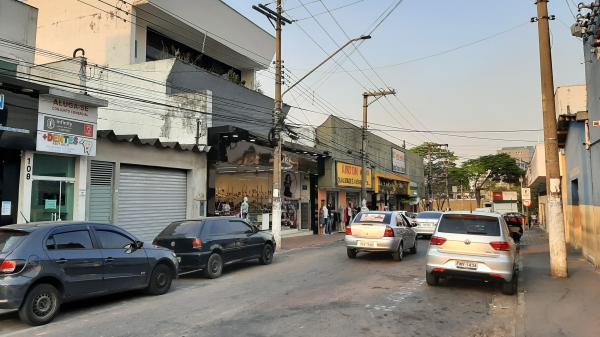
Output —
(460, 65)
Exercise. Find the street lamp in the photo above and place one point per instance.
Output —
(363, 37)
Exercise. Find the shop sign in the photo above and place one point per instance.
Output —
(398, 161)
(348, 175)
(504, 196)
(526, 193)
(66, 126)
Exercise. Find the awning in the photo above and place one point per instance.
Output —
(155, 142)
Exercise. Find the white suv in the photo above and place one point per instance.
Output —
(475, 246)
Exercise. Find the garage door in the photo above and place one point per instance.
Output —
(150, 198)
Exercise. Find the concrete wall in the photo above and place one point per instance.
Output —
(570, 99)
(232, 104)
(127, 153)
(18, 23)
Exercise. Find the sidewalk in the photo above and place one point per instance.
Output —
(310, 241)
(556, 307)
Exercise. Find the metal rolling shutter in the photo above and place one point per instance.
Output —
(150, 198)
(101, 191)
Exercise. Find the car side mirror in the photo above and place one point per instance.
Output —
(138, 244)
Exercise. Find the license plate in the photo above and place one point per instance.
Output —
(366, 244)
(466, 265)
(179, 259)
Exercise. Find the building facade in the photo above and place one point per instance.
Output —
(395, 176)
(522, 154)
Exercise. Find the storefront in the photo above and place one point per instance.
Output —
(392, 191)
(46, 137)
(341, 184)
(241, 167)
(54, 176)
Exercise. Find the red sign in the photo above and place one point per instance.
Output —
(497, 196)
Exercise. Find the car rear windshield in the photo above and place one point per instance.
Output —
(9, 239)
(182, 229)
(433, 215)
(469, 224)
(383, 218)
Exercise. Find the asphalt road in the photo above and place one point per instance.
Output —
(305, 292)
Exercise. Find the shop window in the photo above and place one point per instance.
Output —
(53, 166)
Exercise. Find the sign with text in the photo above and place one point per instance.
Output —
(526, 193)
(504, 196)
(398, 161)
(66, 126)
(349, 175)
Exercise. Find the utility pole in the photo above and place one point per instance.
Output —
(429, 180)
(277, 121)
(363, 152)
(446, 172)
(554, 213)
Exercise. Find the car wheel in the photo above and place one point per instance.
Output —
(413, 250)
(40, 305)
(510, 288)
(432, 279)
(214, 266)
(161, 279)
(399, 254)
(267, 255)
(351, 253)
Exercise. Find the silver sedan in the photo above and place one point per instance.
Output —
(381, 232)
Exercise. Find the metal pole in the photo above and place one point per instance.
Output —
(429, 180)
(276, 207)
(554, 214)
(363, 154)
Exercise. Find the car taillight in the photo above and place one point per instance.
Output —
(437, 241)
(501, 245)
(154, 242)
(197, 244)
(389, 233)
(8, 267)
(348, 230)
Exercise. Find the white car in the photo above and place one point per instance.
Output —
(426, 222)
(474, 245)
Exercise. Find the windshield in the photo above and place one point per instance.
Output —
(429, 215)
(469, 224)
(9, 239)
(383, 218)
(183, 229)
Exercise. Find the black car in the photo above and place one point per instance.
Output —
(43, 265)
(209, 243)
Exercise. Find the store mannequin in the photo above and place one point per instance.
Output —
(244, 208)
(364, 207)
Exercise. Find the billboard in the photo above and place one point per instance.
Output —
(398, 161)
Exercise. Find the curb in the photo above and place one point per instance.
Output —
(520, 312)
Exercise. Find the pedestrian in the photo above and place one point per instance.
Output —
(323, 215)
(347, 216)
(329, 221)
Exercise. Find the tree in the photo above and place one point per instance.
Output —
(489, 169)
(439, 161)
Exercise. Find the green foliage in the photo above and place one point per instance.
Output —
(438, 161)
(492, 168)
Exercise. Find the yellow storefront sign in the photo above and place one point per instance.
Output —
(348, 175)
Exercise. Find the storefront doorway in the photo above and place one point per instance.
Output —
(52, 188)
(52, 200)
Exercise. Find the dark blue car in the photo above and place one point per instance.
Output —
(45, 264)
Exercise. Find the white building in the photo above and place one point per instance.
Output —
(169, 70)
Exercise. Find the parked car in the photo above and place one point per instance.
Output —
(516, 222)
(426, 222)
(43, 265)
(208, 244)
(475, 246)
(381, 232)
